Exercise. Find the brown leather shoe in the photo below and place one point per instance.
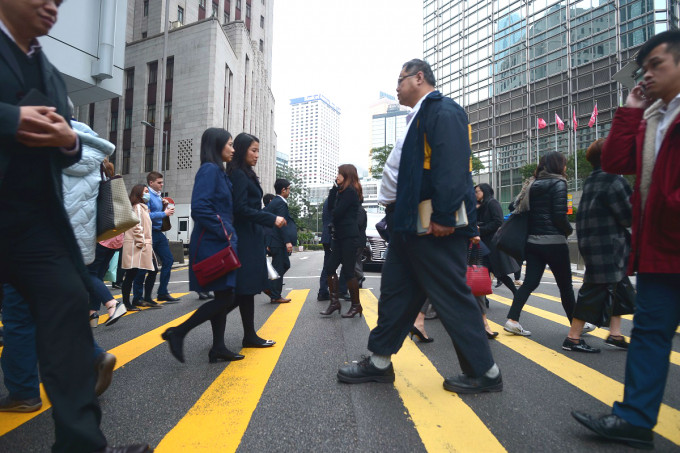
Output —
(280, 301)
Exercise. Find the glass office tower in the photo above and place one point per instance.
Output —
(510, 63)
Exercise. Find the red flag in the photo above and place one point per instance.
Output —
(560, 123)
(593, 117)
(542, 124)
(574, 119)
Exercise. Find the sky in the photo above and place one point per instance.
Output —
(347, 50)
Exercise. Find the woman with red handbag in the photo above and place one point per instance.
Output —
(213, 234)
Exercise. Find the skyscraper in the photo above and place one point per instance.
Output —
(315, 138)
(217, 74)
(510, 63)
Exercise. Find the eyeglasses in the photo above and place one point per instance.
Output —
(401, 79)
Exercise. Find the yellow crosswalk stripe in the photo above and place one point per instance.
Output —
(601, 333)
(218, 420)
(443, 420)
(124, 353)
(592, 382)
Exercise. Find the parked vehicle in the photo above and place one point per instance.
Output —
(376, 247)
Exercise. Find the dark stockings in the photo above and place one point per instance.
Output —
(215, 311)
(246, 305)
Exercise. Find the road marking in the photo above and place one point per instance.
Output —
(222, 414)
(585, 379)
(124, 353)
(443, 420)
(601, 333)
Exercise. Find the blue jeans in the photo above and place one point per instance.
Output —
(657, 314)
(161, 248)
(19, 359)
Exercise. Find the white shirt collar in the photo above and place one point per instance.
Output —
(153, 191)
(671, 105)
(284, 200)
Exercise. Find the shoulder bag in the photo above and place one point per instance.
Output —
(217, 265)
(511, 237)
(114, 211)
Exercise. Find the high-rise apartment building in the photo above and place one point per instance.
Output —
(315, 138)
(388, 122)
(510, 63)
(217, 74)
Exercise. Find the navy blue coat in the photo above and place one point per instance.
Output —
(279, 237)
(212, 196)
(325, 221)
(249, 220)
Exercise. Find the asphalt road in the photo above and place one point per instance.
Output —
(286, 398)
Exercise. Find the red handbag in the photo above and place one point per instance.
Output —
(477, 276)
(217, 265)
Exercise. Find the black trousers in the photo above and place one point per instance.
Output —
(280, 262)
(343, 251)
(537, 256)
(34, 259)
(420, 267)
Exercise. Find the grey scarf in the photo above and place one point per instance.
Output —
(522, 200)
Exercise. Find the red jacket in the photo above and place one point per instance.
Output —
(656, 231)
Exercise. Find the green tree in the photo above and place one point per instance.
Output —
(298, 202)
(378, 159)
(584, 167)
(477, 165)
(527, 171)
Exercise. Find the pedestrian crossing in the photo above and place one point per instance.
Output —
(220, 418)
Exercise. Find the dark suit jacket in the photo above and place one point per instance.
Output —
(249, 220)
(12, 90)
(279, 237)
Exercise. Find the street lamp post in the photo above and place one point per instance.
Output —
(165, 137)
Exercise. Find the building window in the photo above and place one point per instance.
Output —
(114, 122)
(167, 112)
(261, 45)
(146, 8)
(127, 124)
(247, 11)
(201, 3)
(261, 21)
(238, 4)
(126, 162)
(226, 16)
(148, 158)
(180, 15)
(153, 72)
(170, 69)
(129, 79)
(214, 9)
(151, 113)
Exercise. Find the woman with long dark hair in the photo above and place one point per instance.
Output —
(545, 197)
(137, 245)
(489, 220)
(344, 200)
(249, 220)
(212, 211)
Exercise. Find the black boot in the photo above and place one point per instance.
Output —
(355, 308)
(333, 291)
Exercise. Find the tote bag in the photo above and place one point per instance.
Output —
(477, 276)
(114, 211)
(511, 237)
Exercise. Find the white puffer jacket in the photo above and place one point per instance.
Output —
(81, 187)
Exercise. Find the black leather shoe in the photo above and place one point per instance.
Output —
(137, 448)
(467, 384)
(258, 343)
(167, 298)
(612, 427)
(205, 296)
(581, 346)
(215, 355)
(175, 341)
(116, 286)
(365, 371)
(103, 367)
(323, 297)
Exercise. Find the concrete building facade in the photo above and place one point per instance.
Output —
(217, 74)
(315, 139)
(510, 63)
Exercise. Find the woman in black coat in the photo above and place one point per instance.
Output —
(489, 220)
(545, 197)
(249, 222)
(344, 200)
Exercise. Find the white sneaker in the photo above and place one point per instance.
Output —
(588, 327)
(515, 329)
(518, 282)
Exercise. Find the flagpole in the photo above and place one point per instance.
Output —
(575, 156)
(538, 131)
(555, 131)
(598, 114)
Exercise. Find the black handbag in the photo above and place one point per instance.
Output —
(114, 210)
(623, 297)
(511, 237)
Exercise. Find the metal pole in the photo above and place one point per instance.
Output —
(162, 84)
(165, 138)
(555, 131)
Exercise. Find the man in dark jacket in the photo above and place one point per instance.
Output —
(645, 140)
(280, 240)
(432, 162)
(39, 255)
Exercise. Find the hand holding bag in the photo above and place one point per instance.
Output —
(271, 272)
(114, 211)
(217, 265)
(477, 276)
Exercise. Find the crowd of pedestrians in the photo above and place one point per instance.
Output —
(52, 267)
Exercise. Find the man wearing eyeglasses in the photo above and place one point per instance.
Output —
(432, 162)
